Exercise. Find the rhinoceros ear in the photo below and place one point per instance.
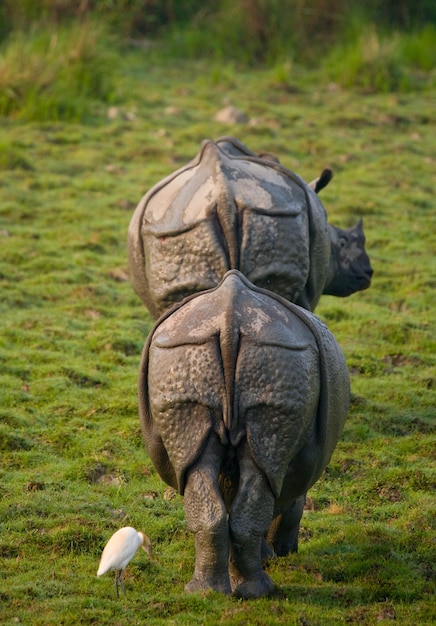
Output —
(358, 228)
(268, 156)
(322, 181)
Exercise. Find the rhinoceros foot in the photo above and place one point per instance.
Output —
(262, 585)
(196, 585)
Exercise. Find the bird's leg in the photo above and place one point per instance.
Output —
(117, 573)
(122, 582)
(119, 582)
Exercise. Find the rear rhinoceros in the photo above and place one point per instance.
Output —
(242, 399)
(231, 209)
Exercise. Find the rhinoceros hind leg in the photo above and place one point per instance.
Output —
(250, 516)
(267, 553)
(283, 532)
(206, 517)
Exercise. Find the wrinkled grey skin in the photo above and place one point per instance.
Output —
(242, 399)
(232, 209)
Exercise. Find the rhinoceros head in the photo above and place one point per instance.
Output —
(349, 267)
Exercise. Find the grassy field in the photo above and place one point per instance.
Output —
(74, 468)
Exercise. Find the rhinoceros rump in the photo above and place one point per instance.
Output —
(228, 209)
(242, 399)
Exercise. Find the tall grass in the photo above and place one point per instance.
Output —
(55, 73)
(253, 31)
(337, 40)
(58, 69)
(377, 62)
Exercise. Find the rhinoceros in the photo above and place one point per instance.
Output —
(242, 399)
(232, 209)
(349, 269)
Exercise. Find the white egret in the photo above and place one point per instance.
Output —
(120, 550)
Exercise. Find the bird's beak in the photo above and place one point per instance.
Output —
(147, 548)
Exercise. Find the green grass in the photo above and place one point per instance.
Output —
(74, 468)
(385, 62)
(67, 71)
(55, 73)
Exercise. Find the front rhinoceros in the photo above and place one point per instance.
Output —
(228, 209)
(242, 399)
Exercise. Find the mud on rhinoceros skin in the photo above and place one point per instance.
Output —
(242, 399)
(232, 209)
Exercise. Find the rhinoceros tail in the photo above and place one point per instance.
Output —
(229, 346)
(227, 216)
(229, 343)
(218, 163)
